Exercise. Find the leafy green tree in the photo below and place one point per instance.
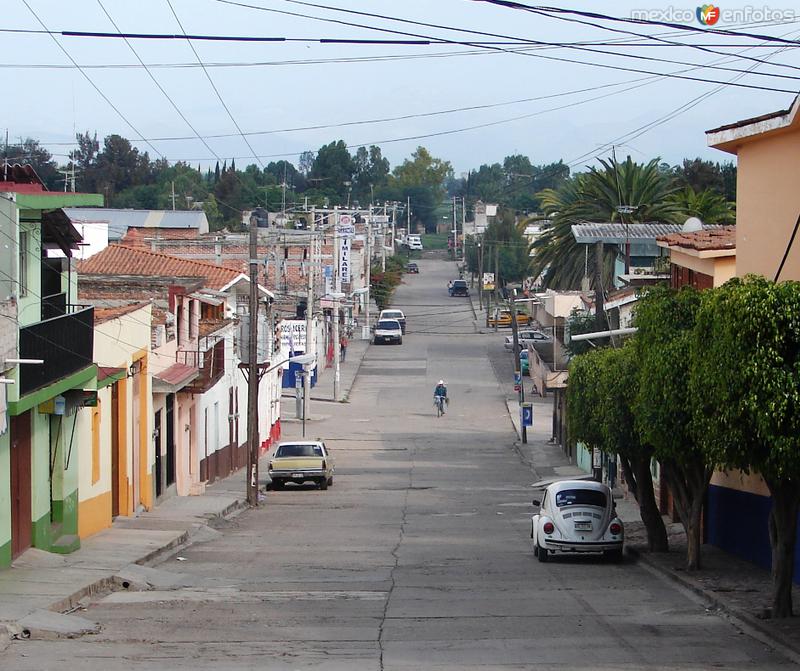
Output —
(596, 196)
(213, 214)
(747, 401)
(371, 173)
(708, 205)
(601, 397)
(579, 321)
(423, 170)
(504, 234)
(333, 170)
(700, 175)
(665, 406)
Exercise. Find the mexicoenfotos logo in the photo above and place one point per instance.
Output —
(708, 15)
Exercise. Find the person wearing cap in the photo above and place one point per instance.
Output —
(440, 390)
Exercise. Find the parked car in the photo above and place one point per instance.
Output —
(458, 288)
(525, 338)
(388, 331)
(300, 461)
(577, 516)
(524, 365)
(394, 314)
(503, 318)
(414, 241)
(412, 268)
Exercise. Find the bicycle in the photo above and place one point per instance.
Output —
(440, 402)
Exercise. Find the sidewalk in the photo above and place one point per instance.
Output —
(40, 589)
(737, 589)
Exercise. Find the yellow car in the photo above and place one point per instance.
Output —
(503, 318)
(300, 461)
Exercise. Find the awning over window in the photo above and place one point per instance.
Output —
(171, 380)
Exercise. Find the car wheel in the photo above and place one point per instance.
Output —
(277, 484)
(330, 481)
(535, 550)
(613, 556)
(400, 342)
(542, 553)
(323, 483)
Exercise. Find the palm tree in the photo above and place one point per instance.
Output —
(597, 196)
(707, 205)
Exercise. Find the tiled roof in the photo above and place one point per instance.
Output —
(720, 238)
(122, 260)
(209, 326)
(104, 314)
(177, 375)
(619, 233)
(137, 236)
(105, 372)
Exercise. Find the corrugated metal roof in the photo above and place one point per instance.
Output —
(119, 220)
(619, 233)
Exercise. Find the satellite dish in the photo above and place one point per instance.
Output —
(692, 225)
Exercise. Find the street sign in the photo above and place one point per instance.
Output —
(488, 282)
(526, 414)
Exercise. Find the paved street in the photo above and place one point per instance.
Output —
(417, 558)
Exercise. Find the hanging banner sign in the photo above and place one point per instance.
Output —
(345, 228)
(344, 260)
(328, 273)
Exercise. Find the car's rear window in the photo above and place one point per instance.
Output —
(459, 283)
(580, 497)
(392, 314)
(299, 451)
(389, 325)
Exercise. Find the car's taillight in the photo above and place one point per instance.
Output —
(615, 528)
(323, 465)
(548, 528)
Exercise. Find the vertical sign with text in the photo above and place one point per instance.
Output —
(345, 230)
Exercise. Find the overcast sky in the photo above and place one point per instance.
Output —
(287, 85)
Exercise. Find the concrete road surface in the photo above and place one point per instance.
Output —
(418, 557)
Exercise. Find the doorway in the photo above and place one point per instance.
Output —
(157, 440)
(170, 440)
(21, 522)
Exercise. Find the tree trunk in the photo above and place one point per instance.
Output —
(640, 483)
(688, 482)
(782, 538)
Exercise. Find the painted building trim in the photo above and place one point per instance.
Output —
(76, 380)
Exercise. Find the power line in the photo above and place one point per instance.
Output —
(216, 90)
(704, 48)
(466, 43)
(91, 82)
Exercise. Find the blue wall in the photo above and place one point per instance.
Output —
(737, 522)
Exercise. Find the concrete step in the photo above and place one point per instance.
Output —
(65, 544)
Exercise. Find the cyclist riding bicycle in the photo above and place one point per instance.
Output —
(440, 394)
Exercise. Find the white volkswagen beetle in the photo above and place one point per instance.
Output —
(577, 516)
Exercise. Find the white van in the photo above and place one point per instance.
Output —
(414, 242)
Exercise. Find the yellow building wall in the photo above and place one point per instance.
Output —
(744, 482)
(721, 268)
(767, 205)
(117, 343)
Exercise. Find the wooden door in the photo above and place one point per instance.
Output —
(21, 522)
(115, 450)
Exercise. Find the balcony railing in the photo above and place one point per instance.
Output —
(211, 363)
(54, 305)
(65, 343)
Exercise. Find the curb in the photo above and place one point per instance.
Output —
(743, 620)
(346, 396)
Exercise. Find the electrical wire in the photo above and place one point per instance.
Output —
(92, 83)
(465, 43)
(216, 90)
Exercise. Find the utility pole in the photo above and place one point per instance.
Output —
(480, 273)
(496, 277)
(369, 267)
(517, 363)
(252, 372)
(336, 292)
(599, 312)
(455, 232)
(309, 320)
(173, 196)
(463, 229)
